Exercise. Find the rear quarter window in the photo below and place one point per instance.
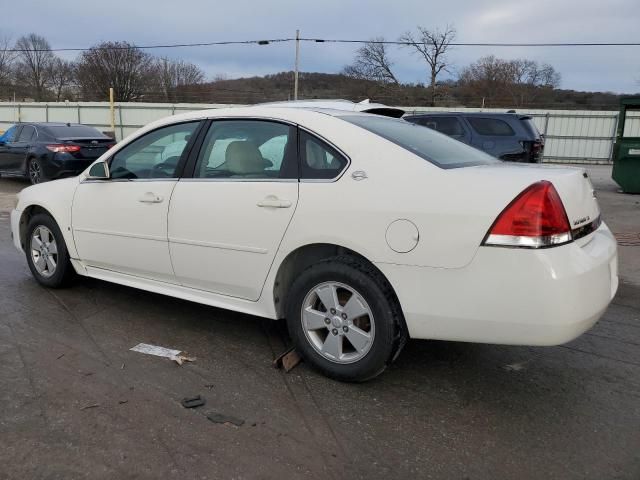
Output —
(491, 127)
(530, 126)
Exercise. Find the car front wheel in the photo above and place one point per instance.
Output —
(47, 253)
(344, 319)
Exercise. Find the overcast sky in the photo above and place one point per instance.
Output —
(82, 23)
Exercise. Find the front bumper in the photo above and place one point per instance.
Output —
(511, 296)
(15, 228)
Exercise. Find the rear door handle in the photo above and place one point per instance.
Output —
(274, 202)
(150, 197)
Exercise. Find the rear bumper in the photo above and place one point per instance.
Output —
(511, 296)
(65, 167)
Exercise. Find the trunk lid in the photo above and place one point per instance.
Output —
(90, 148)
(572, 184)
(489, 189)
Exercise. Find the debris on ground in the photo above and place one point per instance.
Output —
(209, 386)
(287, 360)
(122, 402)
(94, 405)
(226, 419)
(60, 356)
(193, 402)
(515, 367)
(177, 356)
(180, 359)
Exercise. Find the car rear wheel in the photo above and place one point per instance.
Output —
(47, 253)
(344, 319)
(35, 171)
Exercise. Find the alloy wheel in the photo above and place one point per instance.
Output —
(44, 251)
(35, 172)
(338, 322)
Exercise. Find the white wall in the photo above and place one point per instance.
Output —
(572, 135)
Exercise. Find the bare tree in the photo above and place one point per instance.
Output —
(488, 78)
(508, 82)
(372, 62)
(61, 77)
(130, 71)
(34, 64)
(433, 46)
(7, 59)
(527, 77)
(177, 74)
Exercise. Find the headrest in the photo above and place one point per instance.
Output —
(244, 157)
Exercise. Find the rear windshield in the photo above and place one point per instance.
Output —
(78, 131)
(434, 147)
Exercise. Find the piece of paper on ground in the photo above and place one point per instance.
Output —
(155, 350)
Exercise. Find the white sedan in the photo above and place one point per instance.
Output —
(360, 230)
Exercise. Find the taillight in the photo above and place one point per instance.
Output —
(59, 148)
(536, 218)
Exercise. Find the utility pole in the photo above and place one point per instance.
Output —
(112, 112)
(295, 73)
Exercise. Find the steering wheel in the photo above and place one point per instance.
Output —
(168, 167)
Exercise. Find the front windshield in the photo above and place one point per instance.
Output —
(433, 146)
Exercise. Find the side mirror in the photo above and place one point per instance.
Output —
(99, 171)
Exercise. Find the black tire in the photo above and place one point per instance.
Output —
(63, 273)
(35, 172)
(375, 290)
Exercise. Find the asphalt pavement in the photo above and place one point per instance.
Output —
(75, 402)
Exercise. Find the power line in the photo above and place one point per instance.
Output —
(481, 44)
(146, 47)
(325, 40)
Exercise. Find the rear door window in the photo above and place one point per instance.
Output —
(26, 134)
(491, 127)
(448, 125)
(248, 149)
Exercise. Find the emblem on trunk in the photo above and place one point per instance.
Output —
(581, 220)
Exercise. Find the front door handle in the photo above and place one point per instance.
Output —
(150, 197)
(274, 202)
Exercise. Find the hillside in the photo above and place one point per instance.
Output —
(279, 86)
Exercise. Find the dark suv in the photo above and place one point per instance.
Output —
(507, 136)
(44, 151)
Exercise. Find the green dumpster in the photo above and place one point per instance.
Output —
(626, 150)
